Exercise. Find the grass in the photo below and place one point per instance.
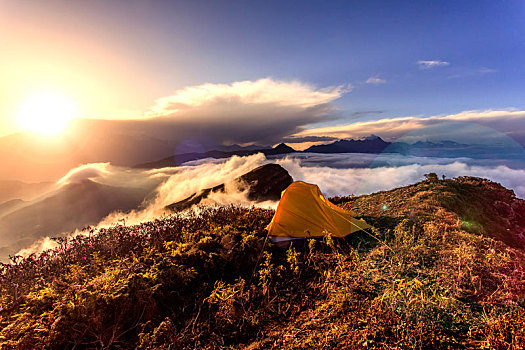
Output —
(211, 280)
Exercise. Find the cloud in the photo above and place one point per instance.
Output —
(375, 80)
(464, 126)
(40, 245)
(181, 182)
(259, 92)
(84, 172)
(485, 70)
(116, 176)
(336, 174)
(346, 181)
(261, 111)
(309, 139)
(161, 187)
(359, 114)
(193, 119)
(432, 64)
(472, 73)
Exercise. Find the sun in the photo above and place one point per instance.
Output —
(46, 113)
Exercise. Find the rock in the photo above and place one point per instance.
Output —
(263, 183)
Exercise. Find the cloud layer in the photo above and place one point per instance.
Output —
(474, 126)
(336, 174)
(335, 178)
(261, 111)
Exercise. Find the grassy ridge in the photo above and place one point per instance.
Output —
(212, 281)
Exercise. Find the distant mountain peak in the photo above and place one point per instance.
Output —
(369, 144)
(283, 147)
(179, 159)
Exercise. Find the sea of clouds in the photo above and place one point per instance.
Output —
(335, 174)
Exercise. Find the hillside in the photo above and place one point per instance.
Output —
(71, 207)
(444, 268)
(473, 204)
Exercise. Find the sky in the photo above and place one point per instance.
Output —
(318, 68)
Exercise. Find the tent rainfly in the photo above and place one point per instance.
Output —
(304, 212)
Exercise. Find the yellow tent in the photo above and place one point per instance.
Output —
(304, 212)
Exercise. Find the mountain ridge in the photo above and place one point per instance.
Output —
(371, 144)
(420, 279)
(179, 159)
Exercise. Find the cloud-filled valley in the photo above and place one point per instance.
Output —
(93, 165)
(120, 194)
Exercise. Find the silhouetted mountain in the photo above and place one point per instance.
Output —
(263, 183)
(374, 144)
(178, 159)
(370, 144)
(281, 148)
(72, 207)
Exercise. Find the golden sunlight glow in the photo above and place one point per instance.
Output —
(46, 113)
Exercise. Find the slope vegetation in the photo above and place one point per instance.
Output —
(444, 268)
